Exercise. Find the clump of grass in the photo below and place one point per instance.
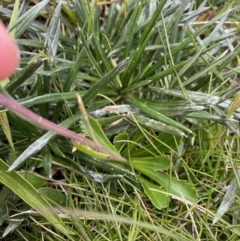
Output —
(159, 81)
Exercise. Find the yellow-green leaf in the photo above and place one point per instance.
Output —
(89, 151)
(31, 196)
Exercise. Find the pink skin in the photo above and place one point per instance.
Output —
(9, 53)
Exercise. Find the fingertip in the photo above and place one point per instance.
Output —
(9, 53)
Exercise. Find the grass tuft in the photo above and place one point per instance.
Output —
(159, 81)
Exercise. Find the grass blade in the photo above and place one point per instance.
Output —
(31, 196)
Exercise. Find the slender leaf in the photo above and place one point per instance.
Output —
(27, 18)
(228, 199)
(51, 42)
(104, 81)
(151, 112)
(31, 196)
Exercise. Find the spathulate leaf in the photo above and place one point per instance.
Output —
(178, 188)
(33, 178)
(52, 195)
(155, 163)
(154, 193)
(164, 143)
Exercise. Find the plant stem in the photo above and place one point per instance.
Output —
(33, 118)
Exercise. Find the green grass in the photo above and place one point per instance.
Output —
(159, 82)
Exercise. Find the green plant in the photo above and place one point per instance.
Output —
(157, 86)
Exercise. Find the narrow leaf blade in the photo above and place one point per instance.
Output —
(30, 195)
